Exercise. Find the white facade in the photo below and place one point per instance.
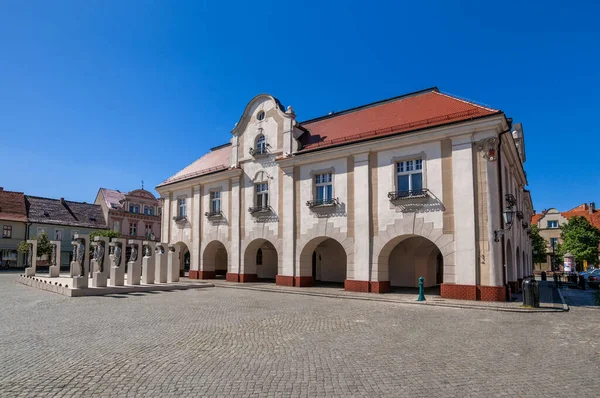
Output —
(442, 230)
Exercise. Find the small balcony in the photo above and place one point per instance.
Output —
(315, 204)
(260, 151)
(214, 214)
(259, 210)
(422, 193)
(180, 218)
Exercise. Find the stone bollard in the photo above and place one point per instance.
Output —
(30, 271)
(421, 289)
(173, 264)
(117, 262)
(134, 266)
(160, 261)
(148, 266)
(54, 270)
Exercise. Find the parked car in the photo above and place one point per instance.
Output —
(585, 274)
(594, 279)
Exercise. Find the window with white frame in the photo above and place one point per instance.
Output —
(409, 177)
(261, 198)
(215, 202)
(132, 229)
(58, 234)
(7, 231)
(182, 211)
(261, 145)
(117, 226)
(553, 224)
(324, 188)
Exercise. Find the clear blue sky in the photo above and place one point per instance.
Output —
(109, 93)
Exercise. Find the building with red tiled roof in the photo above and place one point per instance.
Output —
(549, 222)
(371, 197)
(13, 223)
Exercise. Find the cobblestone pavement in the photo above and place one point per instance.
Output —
(237, 342)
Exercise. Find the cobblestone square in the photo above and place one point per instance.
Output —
(237, 342)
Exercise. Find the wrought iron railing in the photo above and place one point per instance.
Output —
(259, 209)
(322, 203)
(213, 214)
(259, 151)
(412, 194)
(179, 218)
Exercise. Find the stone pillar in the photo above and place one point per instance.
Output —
(81, 262)
(285, 273)
(160, 263)
(166, 219)
(54, 270)
(173, 264)
(464, 210)
(196, 233)
(235, 262)
(358, 273)
(117, 262)
(98, 277)
(148, 262)
(30, 271)
(134, 265)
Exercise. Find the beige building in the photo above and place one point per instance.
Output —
(13, 227)
(373, 197)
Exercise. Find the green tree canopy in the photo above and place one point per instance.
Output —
(581, 239)
(43, 246)
(538, 245)
(108, 233)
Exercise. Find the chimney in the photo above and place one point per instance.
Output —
(62, 201)
(592, 207)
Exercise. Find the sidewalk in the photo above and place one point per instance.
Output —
(550, 298)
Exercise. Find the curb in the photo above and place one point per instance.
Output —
(338, 296)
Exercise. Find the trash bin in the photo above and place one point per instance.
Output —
(543, 275)
(581, 282)
(531, 293)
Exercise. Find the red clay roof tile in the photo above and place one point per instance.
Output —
(12, 206)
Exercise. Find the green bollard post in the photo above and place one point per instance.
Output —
(421, 289)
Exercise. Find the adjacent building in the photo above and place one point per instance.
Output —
(374, 197)
(549, 222)
(61, 219)
(13, 224)
(136, 214)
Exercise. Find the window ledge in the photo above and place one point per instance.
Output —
(318, 204)
(211, 214)
(260, 210)
(179, 218)
(396, 196)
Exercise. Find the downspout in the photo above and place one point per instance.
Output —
(503, 251)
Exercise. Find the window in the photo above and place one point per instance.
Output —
(58, 234)
(7, 231)
(554, 242)
(409, 177)
(324, 188)
(262, 195)
(136, 209)
(146, 210)
(260, 115)
(553, 224)
(117, 226)
(151, 211)
(215, 202)
(73, 233)
(259, 257)
(41, 231)
(160, 211)
(132, 229)
(182, 208)
(131, 208)
(261, 145)
(148, 230)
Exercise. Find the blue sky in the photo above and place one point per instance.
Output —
(109, 93)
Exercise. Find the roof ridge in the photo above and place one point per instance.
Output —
(372, 104)
(467, 101)
(58, 200)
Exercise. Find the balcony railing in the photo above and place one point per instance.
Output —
(259, 151)
(404, 195)
(214, 214)
(259, 209)
(322, 203)
(179, 218)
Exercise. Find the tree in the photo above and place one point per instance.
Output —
(108, 233)
(538, 245)
(43, 245)
(581, 239)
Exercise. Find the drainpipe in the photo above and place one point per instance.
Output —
(503, 251)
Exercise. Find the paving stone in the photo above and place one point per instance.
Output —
(237, 342)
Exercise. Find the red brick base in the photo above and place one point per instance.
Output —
(491, 293)
(230, 277)
(245, 278)
(284, 280)
(206, 274)
(379, 287)
(356, 286)
(193, 274)
(473, 292)
(303, 281)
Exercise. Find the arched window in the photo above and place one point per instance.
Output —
(261, 145)
(259, 258)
